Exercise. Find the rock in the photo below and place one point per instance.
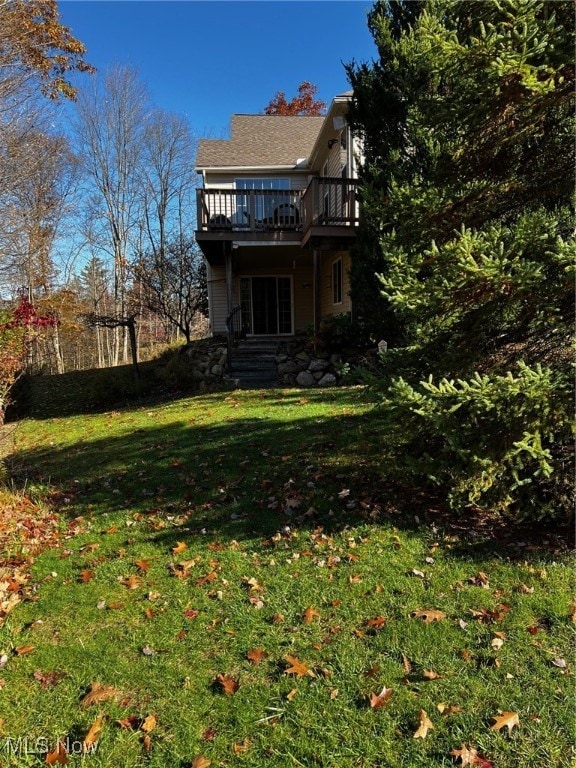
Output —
(281, 358)
(318, 375)
(305, 379)
(197, 375)
(328, 380)
(217, 370)
(303, 356)
(318, 365)
(288, 367)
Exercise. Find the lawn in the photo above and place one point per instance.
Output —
(234, 582)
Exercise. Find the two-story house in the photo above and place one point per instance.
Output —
(277, 212)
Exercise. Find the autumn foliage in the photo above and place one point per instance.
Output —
(304, 103)
(32, 37)
(18, 329)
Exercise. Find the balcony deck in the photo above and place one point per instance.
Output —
(326, 212)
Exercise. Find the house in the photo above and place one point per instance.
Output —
(277, 213)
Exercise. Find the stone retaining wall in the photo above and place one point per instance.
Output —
(300, 366)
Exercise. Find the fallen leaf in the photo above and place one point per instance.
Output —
(200, 762)
(23, 650)
(99, 693)
(59, 756)
(425, 725)
(559, 663)
(144, 565)
(292, 694)
(407, 666)
(309, 614)
(298, 668)
(86, 576)
(131, 582)
(93, 734)
(256, 655)
(376, 623)
(229, 684)
(130, 723)
(448, 709)
(430, 674)
(505, 720)
(466, 755)
(242, 747)
(416, 572)
(149, 723)
(47, 679)
(497, 643)
(334, 693)
(429, 615)
(381, 699)
(180, 547)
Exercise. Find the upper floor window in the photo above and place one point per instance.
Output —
(275, 193)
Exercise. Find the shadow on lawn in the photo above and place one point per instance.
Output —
(248, 477)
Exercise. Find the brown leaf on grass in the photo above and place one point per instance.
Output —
(291, 694)
(200, 762)
(147, 742)
(480, 580)
(429, 615)
(207, 579)
(130, 723)
(180, 547)
(59, 756)
(406, 664)
(23, 650)
(505, 720)
(241, 747)
(425, 725)
(143, 565)
(93, 734)
(228, 684)
(191, 613)
(98, 693)
(381, 699)
(448, 709)
(86, 576)
(466, 755)
(309, 614)
(297, 667)
(47, 679)
(131, 582)
(376, 623)
(256, 655)
(430, 674)
(149, 723)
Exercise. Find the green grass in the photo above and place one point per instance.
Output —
(226, 474)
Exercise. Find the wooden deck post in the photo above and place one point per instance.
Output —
(228, 264)
(317, 270)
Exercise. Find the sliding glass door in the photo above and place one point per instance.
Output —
(266, 305)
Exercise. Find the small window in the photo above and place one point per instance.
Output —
(337, 281)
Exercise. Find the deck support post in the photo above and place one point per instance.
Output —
(317, 270)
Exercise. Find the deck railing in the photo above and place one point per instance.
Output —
(326, 201)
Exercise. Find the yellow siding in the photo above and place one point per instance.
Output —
(302, 293)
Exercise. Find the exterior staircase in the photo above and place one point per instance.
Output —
(253, 363)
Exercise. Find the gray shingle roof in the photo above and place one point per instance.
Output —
(261, 140)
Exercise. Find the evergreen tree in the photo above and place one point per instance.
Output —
(467, 119)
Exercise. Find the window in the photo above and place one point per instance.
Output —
(337, 281)
(261, 206)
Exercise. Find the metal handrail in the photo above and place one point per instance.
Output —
(234, 332)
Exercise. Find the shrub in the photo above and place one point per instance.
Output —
(502, 441)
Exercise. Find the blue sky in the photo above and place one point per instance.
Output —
(208, 60)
